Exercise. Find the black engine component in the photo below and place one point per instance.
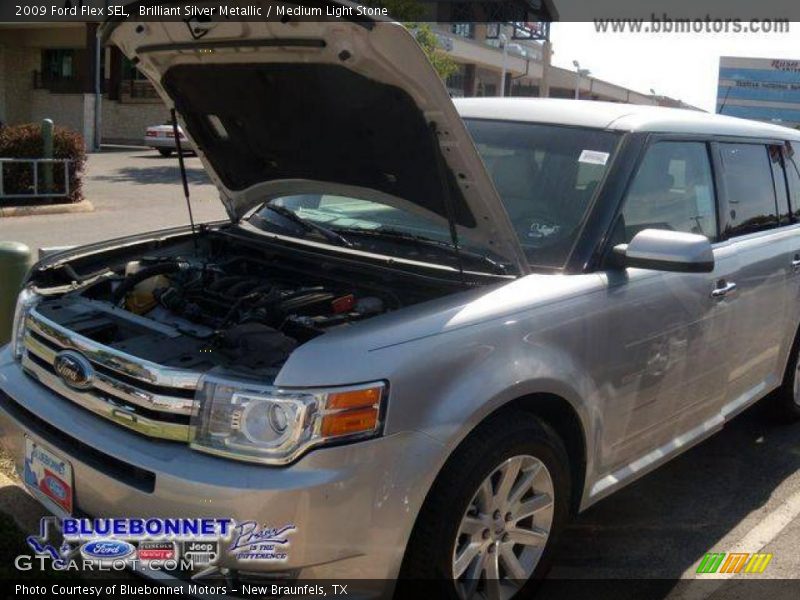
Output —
(255, 345)
(250, 310)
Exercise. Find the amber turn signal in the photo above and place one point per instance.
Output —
(350, 421)
(355, 398)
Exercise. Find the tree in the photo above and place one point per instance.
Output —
(410, 12)
(429, 43)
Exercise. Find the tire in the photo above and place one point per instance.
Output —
(164, 152)
(454, 508)
(788, 395)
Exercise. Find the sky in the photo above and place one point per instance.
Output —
(683, 66)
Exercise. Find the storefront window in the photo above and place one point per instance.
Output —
(466, 30)
(58, 63)
(130, 72)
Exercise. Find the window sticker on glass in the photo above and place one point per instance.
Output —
(593, 157)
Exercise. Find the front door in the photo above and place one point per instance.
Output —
(668, 335)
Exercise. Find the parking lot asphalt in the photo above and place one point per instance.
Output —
(739, 491)
(132, 191)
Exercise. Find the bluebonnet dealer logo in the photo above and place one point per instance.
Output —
(77, 544)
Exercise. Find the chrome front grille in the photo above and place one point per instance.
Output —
(148, 398)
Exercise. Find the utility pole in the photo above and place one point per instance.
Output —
(547, 56)
(503, 38)
(578, 74)
(504, 41)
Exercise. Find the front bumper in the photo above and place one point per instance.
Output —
(353, 505)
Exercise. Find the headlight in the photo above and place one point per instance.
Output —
(26, 300)
(275, 426)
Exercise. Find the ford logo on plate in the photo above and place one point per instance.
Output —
(74, 369)
(107, 550)
(56, 487)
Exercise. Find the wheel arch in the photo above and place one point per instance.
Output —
(794, 342)
(556, 414)
(559, 415)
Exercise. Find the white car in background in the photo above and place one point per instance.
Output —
(162, 138)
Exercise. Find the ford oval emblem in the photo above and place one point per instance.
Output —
(56, 487)
(74, 369)
(107, 550)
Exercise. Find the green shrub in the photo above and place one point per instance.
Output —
(25, 141)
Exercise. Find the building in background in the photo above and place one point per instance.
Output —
(477, 48)
(763, 89)
(49, 71)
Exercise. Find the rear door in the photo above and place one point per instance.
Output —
(757, 228)
(791, 163)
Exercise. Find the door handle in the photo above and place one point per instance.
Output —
(723, 289)
(796, 262)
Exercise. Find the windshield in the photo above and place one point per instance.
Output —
(546, 176)
(373, 227)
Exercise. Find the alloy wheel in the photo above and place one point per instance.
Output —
(504, 531)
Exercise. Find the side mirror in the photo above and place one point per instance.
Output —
(663, 250)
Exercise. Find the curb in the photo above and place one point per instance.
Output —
(46, 209)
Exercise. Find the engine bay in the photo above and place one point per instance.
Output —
(224, 304)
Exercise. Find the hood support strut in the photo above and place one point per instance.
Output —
(184, 179)
(447, 199)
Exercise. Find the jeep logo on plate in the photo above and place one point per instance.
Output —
(74, 369)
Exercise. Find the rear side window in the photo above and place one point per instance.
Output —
(749, 187)
(793, 177)
(779, 179)
(673, 189)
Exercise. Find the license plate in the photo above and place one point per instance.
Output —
(48, 477)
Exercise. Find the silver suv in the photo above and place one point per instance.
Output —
(429, 332)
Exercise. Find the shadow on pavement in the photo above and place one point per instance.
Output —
(19, 518)
(154, 175)
(662, 525)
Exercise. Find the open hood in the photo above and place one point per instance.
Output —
(345, 105)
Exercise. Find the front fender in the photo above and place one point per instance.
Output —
(444, 386)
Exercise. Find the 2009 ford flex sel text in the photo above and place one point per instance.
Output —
(430, 330)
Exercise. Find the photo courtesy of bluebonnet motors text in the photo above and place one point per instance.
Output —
(400, 299)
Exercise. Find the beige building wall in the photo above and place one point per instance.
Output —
(66, 110)
(19, 63)
(126, 122)
(20, 56)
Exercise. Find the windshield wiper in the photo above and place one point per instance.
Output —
(419, 240)
(307, 225)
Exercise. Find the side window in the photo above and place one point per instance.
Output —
(793, 177)
(779, 178)
(749, 188)
(673, 189)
